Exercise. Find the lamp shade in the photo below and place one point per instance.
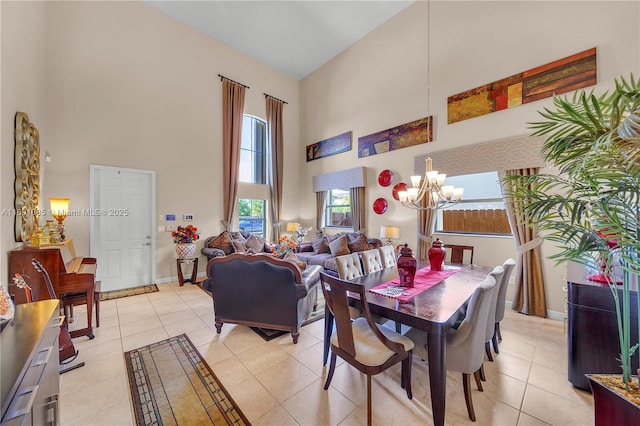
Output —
(292, 226)
(59, 206)
(389, 232)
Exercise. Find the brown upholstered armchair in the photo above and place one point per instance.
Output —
(261, 290)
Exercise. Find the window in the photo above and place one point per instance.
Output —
(338, 210)
(253, 152)
(481, 210)
(252, 216)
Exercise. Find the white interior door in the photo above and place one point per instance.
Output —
(122, 220)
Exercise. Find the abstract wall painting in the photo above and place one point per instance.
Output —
(403, 136)
(331, 146)
(561, 76)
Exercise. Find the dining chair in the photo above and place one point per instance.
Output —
(362, 343)
(371, 261)
(349, 266)
(456, 253)
(465, 352)
(497, 273)
(388, 256)
(508, 266)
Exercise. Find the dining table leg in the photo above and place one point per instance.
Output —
(437, 357)
(328, 329)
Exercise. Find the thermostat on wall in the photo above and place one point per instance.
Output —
(188, 217)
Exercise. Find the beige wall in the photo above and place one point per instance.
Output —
(124, 85)
(381, 82)
(120, 84)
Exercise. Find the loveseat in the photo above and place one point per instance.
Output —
(261, 290)
(228, 242)
(324, 249)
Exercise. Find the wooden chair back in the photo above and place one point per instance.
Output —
(456, 253)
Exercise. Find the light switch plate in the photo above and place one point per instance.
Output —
(188, 216)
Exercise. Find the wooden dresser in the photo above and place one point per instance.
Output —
(593, 345)
(29, 377)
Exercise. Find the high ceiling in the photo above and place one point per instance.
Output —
(294, 37)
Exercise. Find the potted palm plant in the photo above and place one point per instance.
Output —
(591, 208)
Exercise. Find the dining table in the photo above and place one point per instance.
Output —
(434, 311)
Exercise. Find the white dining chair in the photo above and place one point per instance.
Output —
(371, 261)
(388, 256)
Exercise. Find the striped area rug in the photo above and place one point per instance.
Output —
(171, 384)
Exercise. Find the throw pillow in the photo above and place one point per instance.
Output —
(223, 242)
(291, 257)
(321, 245)
(238, 246)
(238, 236)
(339, 246)
(256, 243)
(359, 244)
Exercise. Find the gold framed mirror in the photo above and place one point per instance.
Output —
(27, 183)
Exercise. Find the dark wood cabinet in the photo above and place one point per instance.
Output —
(593, 345)
(29, 377)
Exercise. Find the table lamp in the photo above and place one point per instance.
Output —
(389, 232)
(59, 210)
(292, 226)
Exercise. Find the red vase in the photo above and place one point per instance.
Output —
(436, 255)
(406, 266)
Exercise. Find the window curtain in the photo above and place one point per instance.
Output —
(274, 133)
(529, 297)
(321, 199)
(232, 114)
(357, 207)
(426, 222)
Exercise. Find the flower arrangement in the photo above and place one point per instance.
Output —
(285, 244)
(301, 233)
(185, 234)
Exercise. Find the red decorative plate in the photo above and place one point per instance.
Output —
(399, 187)
(380, 205)
(385, 178)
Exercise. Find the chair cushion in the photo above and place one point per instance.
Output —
(369, 349)
(339, 246)
(223, 242)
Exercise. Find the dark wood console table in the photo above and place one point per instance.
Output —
(593, 345)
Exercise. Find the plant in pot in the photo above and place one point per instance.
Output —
(590, 209)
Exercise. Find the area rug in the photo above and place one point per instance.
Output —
(171, 384)
(134, 291)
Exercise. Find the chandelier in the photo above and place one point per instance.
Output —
(429, 192)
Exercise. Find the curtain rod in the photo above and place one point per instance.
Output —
(222, 77)
(273, 97)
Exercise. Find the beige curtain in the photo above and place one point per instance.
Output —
(232, 113)
(357, 207)
(426, 222)
(321, 199)
(275, 176)
(529, 297)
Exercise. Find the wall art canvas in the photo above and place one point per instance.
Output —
(403, 136)
(561, 76)
(331, 146)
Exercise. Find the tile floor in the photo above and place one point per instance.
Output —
(279, 383)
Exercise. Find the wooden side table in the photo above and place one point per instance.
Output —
(194, 271)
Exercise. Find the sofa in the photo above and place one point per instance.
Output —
(324, 249)
(262, 290)
(228, 242)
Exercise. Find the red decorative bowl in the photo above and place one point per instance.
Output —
(380, 205)
(385, 178)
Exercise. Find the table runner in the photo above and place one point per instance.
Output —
(425, 278)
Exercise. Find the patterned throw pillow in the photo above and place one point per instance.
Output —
(255, 243)
(359, 244)
(223, 242)
(339, 246)
(291, 257)
(321, 245)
